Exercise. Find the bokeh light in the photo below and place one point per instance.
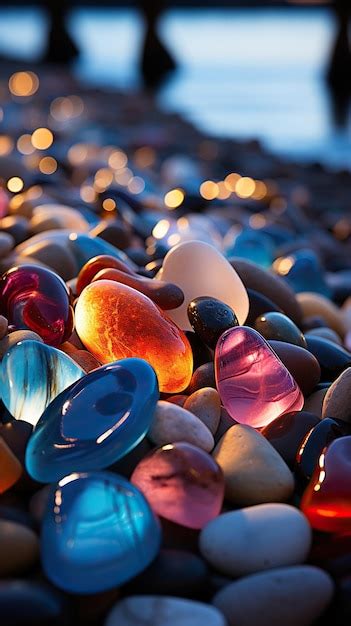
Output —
(15, 184)
(42, 138)
(109, 204)
(48, 165)
(24, 144)
(209, 190)
(23, 84)
(245, 187)
(174, 198)
(6, 145)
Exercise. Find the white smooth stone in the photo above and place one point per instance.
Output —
(200, 270)
(289, 596)
(163, 611)
(256, 538)
(172, 423)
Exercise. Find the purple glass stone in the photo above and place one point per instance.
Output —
(254, 385)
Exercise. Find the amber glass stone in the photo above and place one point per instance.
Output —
(115, 321)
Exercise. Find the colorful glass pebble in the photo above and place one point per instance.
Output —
(200, 270)
(182, 483)
(115, 321)
(327, 499)
(250, 244)
(35, 298)
(32, 375)
(94, 422)
(254, 385)
(98, 532)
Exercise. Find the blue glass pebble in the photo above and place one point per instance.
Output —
(94, 422)
(303, 272)
(32, 374)
(253, 245)
(98, 532)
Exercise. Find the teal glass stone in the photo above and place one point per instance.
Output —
(252, 245)
(94, 422)
(32, 375)
(303, 272)
(98, 532)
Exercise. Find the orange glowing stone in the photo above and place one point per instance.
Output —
(115, 321)
(11, 468)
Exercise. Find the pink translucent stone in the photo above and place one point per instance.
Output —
(254, 385)
(182, 483)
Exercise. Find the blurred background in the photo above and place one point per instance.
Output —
(244, 69)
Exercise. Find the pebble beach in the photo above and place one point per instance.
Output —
(175, 344)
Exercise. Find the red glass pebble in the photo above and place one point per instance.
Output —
(254, 385)
(35, 298)
(327, 499)
(95, 265)
(182, 484)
